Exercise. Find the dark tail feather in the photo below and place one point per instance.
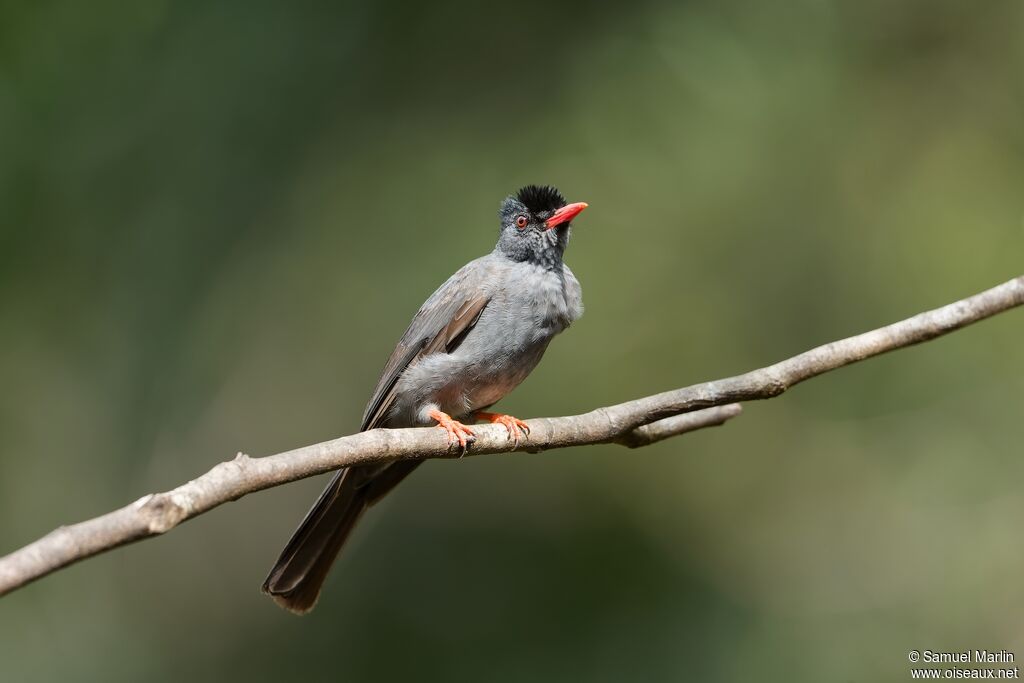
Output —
(299, 573)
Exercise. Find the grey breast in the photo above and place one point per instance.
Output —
(528, 306)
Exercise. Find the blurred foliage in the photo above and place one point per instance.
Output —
(218, 217)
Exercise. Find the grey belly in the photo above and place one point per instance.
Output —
(462, 382)
(489, 388)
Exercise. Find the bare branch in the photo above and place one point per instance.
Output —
(634, 423)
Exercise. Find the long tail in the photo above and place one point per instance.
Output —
(299, 573)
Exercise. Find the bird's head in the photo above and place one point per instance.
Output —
(535, 225)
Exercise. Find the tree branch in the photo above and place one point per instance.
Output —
(634, 423)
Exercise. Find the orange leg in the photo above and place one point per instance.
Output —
(457, 432)
(514, 425)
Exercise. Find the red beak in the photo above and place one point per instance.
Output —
(564, 215)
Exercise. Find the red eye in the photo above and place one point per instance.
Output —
(521, 222)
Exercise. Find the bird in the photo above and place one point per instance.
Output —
(472, 342)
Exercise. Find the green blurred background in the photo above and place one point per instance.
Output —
(219, 217)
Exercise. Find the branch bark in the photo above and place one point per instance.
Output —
(634, 423)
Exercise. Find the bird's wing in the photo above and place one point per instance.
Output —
(438, 327)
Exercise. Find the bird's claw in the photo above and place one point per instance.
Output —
(514, 425)
(458, 433)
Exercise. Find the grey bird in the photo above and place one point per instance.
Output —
(471, 343)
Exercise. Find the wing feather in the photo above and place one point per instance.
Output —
(439, 326)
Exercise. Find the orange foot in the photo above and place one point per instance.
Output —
(457, 432)
(514, 425)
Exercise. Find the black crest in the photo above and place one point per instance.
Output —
(538, 198)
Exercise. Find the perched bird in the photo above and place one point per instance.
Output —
(473, 341)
